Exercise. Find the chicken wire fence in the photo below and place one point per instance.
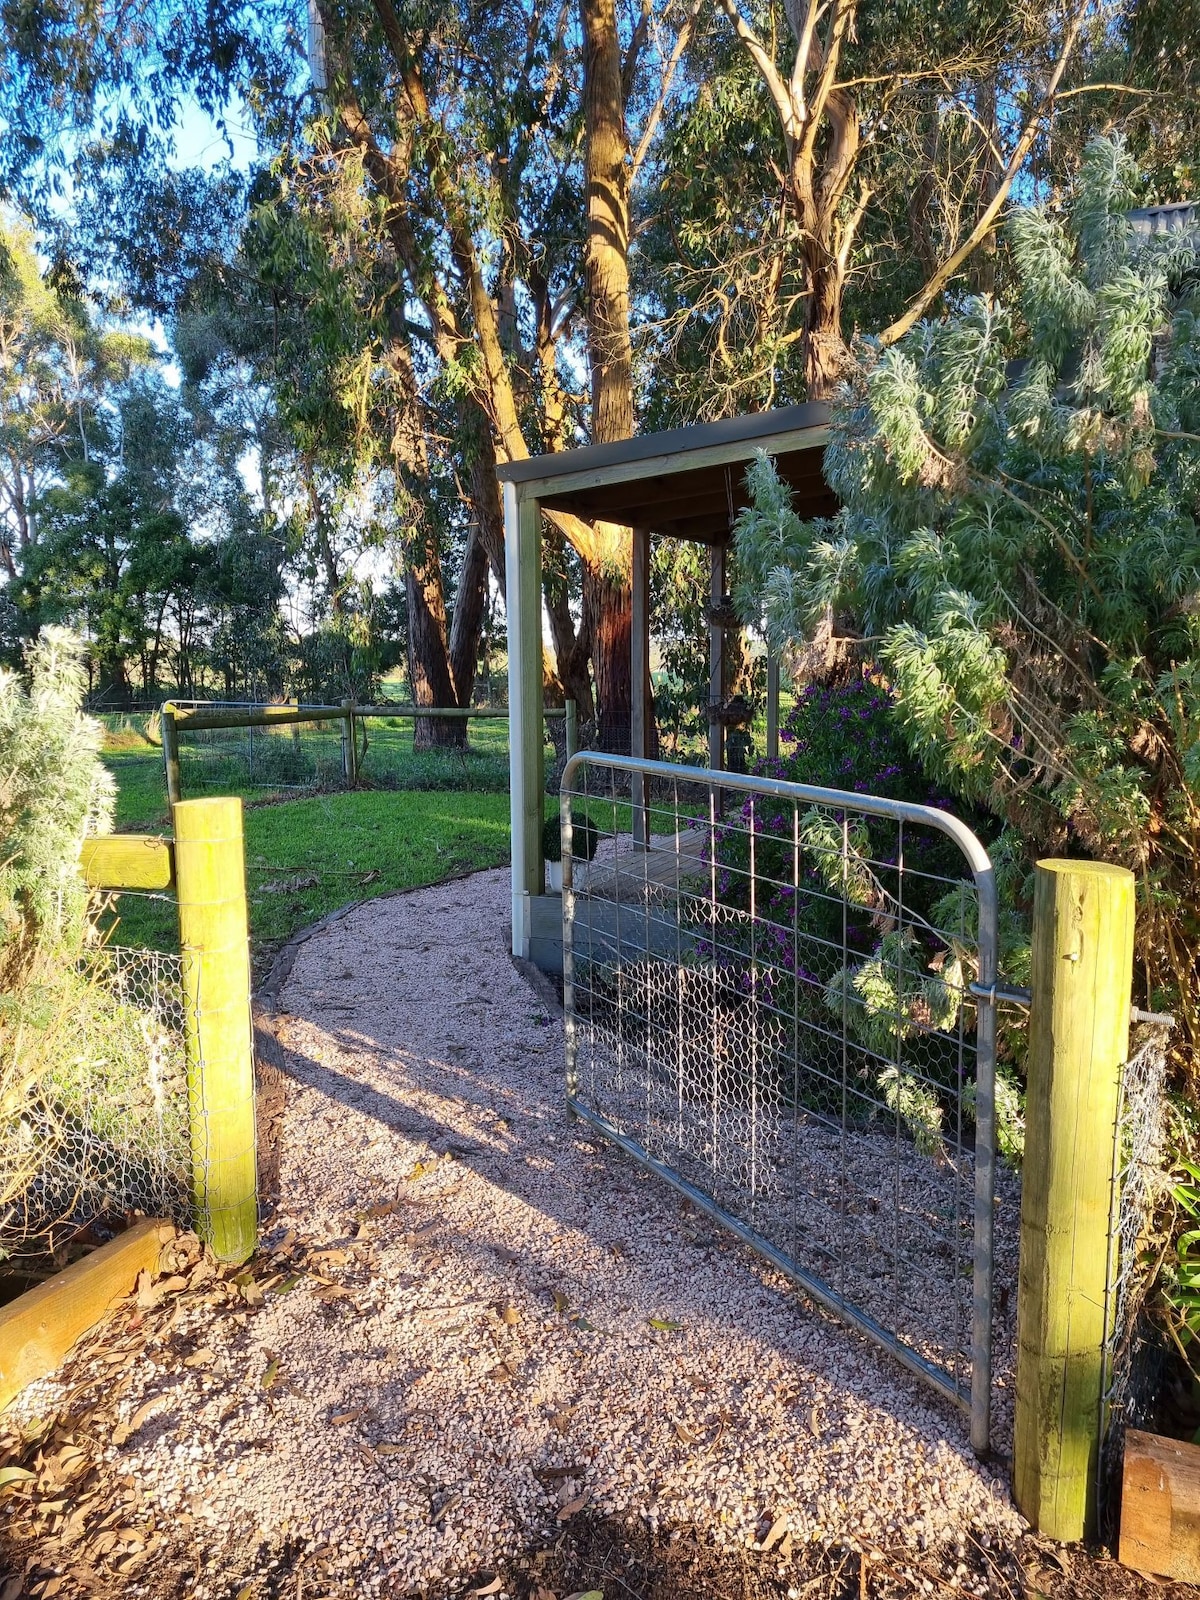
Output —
(784, 1004)
(1141, 1176)
(103, 1125)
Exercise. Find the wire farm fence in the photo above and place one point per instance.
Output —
(104, 1124)
(309, 755)
(231, 760)
(771, 1006)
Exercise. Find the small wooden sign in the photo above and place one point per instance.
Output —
(1160, 1506)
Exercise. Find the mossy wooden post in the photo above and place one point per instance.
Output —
(210, 879)
(170, 750)
(1083, 924)
(572, 728)
(349, 746)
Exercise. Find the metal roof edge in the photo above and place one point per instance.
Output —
(674, 441)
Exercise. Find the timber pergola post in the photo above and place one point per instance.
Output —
(684, 484)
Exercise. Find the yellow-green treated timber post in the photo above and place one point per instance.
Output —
(170, 750)
(210, 880)
(1083, 923)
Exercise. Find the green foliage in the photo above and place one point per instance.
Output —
(53, 790)
(1181, 1269)
(83, 1070)
(1021, 485)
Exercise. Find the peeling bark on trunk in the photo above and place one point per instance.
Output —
(572, 649)
(467, 624)
(608, 607)
(428, 658)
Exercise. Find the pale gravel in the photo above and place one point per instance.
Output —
(412, 1036)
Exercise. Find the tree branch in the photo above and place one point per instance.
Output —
(938, 280)
(659, 106)
(770, 73)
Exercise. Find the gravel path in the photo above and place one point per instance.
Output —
(501, 1320)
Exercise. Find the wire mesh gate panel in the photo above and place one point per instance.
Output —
(770, 1005)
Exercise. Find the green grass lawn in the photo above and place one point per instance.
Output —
(307, 857)
(434, 815)
(308, 854)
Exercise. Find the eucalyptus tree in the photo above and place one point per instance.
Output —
(837, 168)
(58, 367)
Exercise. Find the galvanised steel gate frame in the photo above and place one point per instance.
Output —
(707, 951)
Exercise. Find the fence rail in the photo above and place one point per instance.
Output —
(770, 1008)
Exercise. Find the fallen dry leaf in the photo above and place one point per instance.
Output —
(271, 1373)
(778, 1528)
(348, 1416)
(494, 1587)
(510, 1315)
(573, 1507)
(201, 1358)
(126, 1430)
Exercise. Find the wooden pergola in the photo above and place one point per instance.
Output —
(688, 483)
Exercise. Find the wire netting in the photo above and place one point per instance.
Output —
(102, 1129)
(774, 1004)
(391, 751)
(1135, 1357)
(297, 756)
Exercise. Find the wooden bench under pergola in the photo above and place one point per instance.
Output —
(688, 483)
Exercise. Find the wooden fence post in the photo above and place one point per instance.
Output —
(349, 746)
(170, 750)
(210, 881)
(572, 728)
(1083, 924)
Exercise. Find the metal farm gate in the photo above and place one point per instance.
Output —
(784, 1004)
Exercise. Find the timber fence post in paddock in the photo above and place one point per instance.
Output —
(1078, 1038)
(572, 713)
(170, 750)
(349, 746)
(210, 880)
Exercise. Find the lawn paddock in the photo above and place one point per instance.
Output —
(479, 1350)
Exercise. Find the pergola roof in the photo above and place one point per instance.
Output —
(687, 483)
